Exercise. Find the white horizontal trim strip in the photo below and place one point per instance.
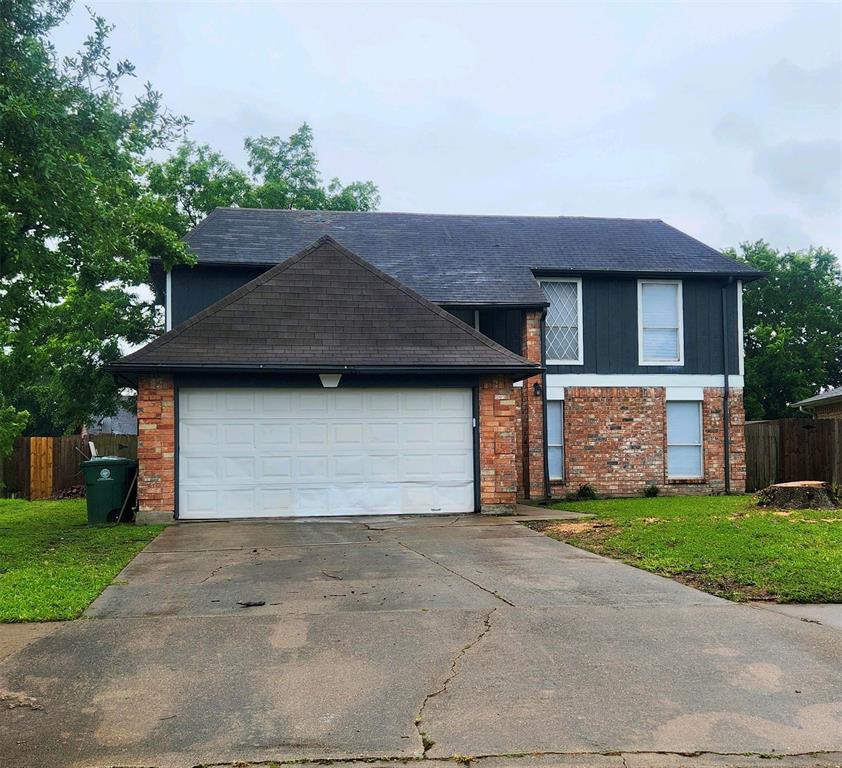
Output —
(555, 380)
(685, 393)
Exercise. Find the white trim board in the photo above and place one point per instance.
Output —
(690, 383)
(168, 303)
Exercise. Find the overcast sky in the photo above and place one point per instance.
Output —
(723, 119)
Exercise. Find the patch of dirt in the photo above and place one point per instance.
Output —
(724, 587)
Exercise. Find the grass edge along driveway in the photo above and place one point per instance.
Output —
(724, 545)
(53, 564)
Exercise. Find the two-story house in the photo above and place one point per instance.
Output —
(337, 363)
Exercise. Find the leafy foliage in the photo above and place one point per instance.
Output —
(12, 423)
(77, 224)
(793, 327)
(283, 174)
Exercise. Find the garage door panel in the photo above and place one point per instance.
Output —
(276, 468)
(274, 434)
(239, 434)
(200, 468)
(309, 469)
(268, 452)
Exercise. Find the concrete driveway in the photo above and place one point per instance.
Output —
(415, 639)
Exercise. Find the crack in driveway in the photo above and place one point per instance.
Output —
(427, 741)
(491, 592)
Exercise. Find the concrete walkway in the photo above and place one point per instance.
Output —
(415, 639)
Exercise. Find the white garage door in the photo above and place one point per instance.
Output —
(309, 452)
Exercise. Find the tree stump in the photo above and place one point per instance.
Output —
(806, 494)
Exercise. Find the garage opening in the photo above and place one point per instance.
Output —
(255, 452)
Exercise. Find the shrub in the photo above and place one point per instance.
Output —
(651, 491)
(584, 492)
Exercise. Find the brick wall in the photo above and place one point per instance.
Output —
(832, 411)
(615, 439)
(531, 417)
(156, 447)
(497, 439)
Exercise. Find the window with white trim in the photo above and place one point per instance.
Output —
(684, 440)
(555, 438)
(564, 321)
(660, 322)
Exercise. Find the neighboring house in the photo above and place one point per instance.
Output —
(825, 405)
(124, 422)
(336, 363)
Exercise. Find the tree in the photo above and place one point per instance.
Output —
(78, 224)
(283, 174)
(194, 181)
(793, 328)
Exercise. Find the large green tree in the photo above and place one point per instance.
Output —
(793, 327)
(78, 225)
(283, 173)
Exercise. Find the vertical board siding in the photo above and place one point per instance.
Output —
(41, 467)
(788, 450)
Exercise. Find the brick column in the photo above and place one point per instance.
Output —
(532, 414)
(714, 445)
(156, 449)
(497, 424)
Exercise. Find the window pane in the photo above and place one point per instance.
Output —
(562, 320)
(684, 423)
(555, 457)
(660, 345)
(660, 305)
(684, 461)
(554, 432)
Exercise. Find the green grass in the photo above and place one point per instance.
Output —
(725, 545)
(53, 564)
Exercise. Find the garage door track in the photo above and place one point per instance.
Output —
(415, 639)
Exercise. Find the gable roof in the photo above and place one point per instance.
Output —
(325, 309)
(823, 398)
(465, 259)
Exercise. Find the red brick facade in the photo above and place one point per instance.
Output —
(156, 447)
(530, 450)
(498, 414)
(615, 439)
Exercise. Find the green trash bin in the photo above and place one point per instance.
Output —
(110, 487)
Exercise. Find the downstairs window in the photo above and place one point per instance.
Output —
(555, 438)
(684, 440)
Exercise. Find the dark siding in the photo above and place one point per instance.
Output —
(609, 316)
(194, 288)
(505, 326)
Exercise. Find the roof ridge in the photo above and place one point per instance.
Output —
(540, 216)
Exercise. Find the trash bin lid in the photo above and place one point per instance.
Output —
(100, 461)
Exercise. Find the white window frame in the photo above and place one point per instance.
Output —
(679, 294)
(168, 302)
(557, 445)
(578, 281)
(700, 444)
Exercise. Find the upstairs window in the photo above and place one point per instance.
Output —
(659, 322)
(564, 321)
(684, 440)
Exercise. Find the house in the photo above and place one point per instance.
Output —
(825, 405)
(123, 422)
(339, 363)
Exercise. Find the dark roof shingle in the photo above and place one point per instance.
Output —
(464, 259)
(324, 309)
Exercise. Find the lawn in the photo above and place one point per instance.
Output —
(725, 545)
(53, 564)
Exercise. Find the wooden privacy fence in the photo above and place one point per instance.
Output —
(41, 467)
(785, 450)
